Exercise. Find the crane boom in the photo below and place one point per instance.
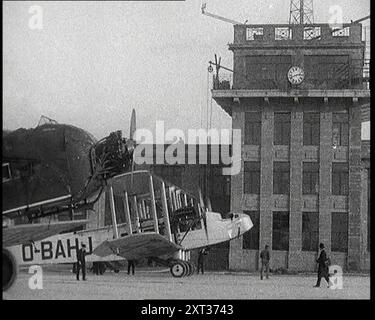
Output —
(362, 19)
(355, 21)
(215, 16)
(216, 64)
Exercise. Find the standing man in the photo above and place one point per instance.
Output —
(323, 263)
(95, 267)
(131, 264)
(265, 258)
(202, 252)
(81, 261)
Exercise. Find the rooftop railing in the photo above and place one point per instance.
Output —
(285, 33)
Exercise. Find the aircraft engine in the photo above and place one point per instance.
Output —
(9, 269)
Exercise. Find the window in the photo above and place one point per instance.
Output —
(283, 33)
(281, 178)
(340, 129)
(170, 173)
(254, 33)
(310, 231)
(339, 232)
(6, 172)
(282, 128)
(253, 125)
(310, 178)
(22, 220)
(82, 215)
(311, 128)
(251, 177)
(251, 239)
(64, 216)
(267, 72)
(368, 211)
(328, 71)
(340, 179)
(280, 231)
(311, 33)
(220, 184)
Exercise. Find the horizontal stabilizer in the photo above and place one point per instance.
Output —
(26, 233)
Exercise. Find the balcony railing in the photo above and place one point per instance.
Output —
(339, 76)
(223, 81)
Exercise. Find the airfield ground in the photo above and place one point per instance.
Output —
(159, 284)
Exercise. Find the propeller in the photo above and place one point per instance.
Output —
(203, 211)
(133, 126)
(130, 143)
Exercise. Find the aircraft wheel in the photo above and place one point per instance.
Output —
(187, 268)
(178, 269)
(190, 268)
(193, 269)
(9, 269)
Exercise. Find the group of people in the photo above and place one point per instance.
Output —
(80, 265)
(265, 256)
(323, 264)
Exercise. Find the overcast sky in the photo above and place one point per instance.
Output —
(94, 61)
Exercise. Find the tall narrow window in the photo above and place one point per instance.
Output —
(280, 231)
(282, 128)
(310, 231)
(340, 129)
(251, 239)
(220, 184)
(252, 177)
(252, 128)
(281, 178)
(340, 179)
(339, 232)
(311, 128)
(310, 178)
(6, 172)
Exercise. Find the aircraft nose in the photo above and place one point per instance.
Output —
(246, 222)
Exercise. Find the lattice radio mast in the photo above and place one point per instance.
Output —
(301, 12)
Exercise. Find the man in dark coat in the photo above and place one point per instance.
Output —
(322, 266)
(131, 264)
(201, 255)
(95, 267)
(265, 259)
(81, 261)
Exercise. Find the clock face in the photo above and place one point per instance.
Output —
(296, 75)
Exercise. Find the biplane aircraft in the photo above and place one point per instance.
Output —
(162, 223)
(57, 168)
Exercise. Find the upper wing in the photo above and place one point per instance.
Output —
(136, 246)
(34, 232)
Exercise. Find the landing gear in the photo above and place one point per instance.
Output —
(193, 269)
(9, 269)
(180, 268)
